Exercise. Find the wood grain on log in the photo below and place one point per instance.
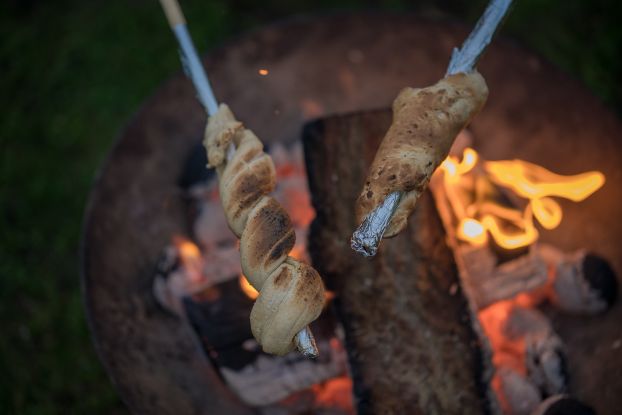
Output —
(411, 344)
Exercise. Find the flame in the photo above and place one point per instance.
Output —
(508, 240)
(472, 230)
(299, 251)
(454, 169)
(508, 226)
(534, 182)
(547, 211)
(263, 72)
(190, 257)
(187, 249)
(247, 288)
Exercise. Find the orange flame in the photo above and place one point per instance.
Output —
(534, 182)
(454, 169)
(247, 288)
(509, 227)
(190, 256)
(472, 230)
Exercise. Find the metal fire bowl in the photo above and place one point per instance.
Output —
(319, 66)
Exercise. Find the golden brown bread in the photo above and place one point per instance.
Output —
(425, 123)
(291, 293)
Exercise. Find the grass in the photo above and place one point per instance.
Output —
(73, 72)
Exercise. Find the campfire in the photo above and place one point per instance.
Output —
(491, 211)
(423, 330)
(484, 197)
(492, 233)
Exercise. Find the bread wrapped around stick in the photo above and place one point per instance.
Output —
(291, 292)
(425, 123)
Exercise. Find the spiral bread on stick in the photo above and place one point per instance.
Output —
(425, 123)
(291, 293)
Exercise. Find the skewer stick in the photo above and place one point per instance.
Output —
(189, 57)
(304, 340)
(366, 238)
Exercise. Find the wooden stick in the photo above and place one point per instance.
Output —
(189, 56)
(304, 340)
(367, 236)
(173, 12)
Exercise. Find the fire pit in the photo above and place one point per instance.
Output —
(278, 78)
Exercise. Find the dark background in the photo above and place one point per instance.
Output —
(72, 73)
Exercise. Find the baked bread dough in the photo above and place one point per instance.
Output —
(291, 292)
(425, 123)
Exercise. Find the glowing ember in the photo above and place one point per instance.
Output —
(263, 72)
(507, 350)
(480, 207)
(334, 394)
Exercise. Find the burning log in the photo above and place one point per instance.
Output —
(578, 283)
(409, 333)
(493, 236)
(486, 282)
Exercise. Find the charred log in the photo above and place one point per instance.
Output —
(410, 335)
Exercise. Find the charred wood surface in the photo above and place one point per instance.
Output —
(410, 340)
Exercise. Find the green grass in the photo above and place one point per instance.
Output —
(72, 74)
(72, 80)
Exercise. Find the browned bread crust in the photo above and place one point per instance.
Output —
(425, 123)
(291, 293)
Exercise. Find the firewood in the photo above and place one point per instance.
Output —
(410, 333)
